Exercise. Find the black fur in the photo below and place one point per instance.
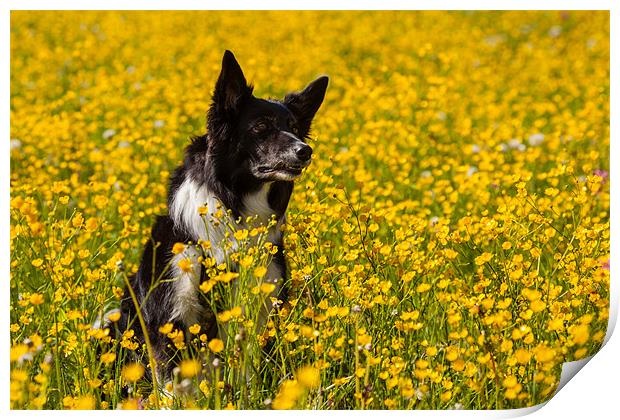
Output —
(249, 142)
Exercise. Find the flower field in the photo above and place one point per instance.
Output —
(448, 247)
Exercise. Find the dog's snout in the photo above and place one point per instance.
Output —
(304, 152)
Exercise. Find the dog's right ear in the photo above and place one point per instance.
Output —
(306, 103)
(231, 88)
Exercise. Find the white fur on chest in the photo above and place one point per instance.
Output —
(184, 211)
(257, 204)
(191, 196)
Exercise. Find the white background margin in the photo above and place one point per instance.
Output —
(592, 394)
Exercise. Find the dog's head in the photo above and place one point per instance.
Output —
(264, 139)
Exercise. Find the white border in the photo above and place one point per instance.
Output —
(593, 394)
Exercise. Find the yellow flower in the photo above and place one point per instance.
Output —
(178, 247)
(130, 404)
(267, 288)
(224, 316)
(555, 324)
(185, 265)
(226, 277)
(523, 356)
(538, 305)
(389, 403)
(207, 285)
(91, 224)
(132, 372)
(450, 253)
(259, 272)
(544, 354)
(246, 261)
(85, 402)
(241, 234)
(483, 258)
(166, 328)
(458, 365)
(552, 192)
(18, 351)
(423, 287)
(445, 396)
(77, 220)
(580, 334)
(308, 376)
(108, 358)
(189, 368)
(510, 394)
(288, 394)
(36, 340)
(510, 381)
(452, 354)
(36, 299)
(194, 329)
(580, 353)
(216, 345)
(114, 316)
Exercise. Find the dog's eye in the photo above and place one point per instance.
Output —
(260, 128)
(293, 126)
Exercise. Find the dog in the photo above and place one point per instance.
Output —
(245, 165)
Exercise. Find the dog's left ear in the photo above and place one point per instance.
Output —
(306, 103)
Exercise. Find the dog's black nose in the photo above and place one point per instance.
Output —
(304, 153)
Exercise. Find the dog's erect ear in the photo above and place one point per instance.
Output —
(231, 88)
(307, 102)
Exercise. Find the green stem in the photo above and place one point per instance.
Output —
(147, 340)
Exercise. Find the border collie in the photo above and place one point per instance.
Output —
(246, 163)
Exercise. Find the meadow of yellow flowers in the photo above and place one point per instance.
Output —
(448, 247)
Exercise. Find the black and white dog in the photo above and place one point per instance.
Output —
(245, 163)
